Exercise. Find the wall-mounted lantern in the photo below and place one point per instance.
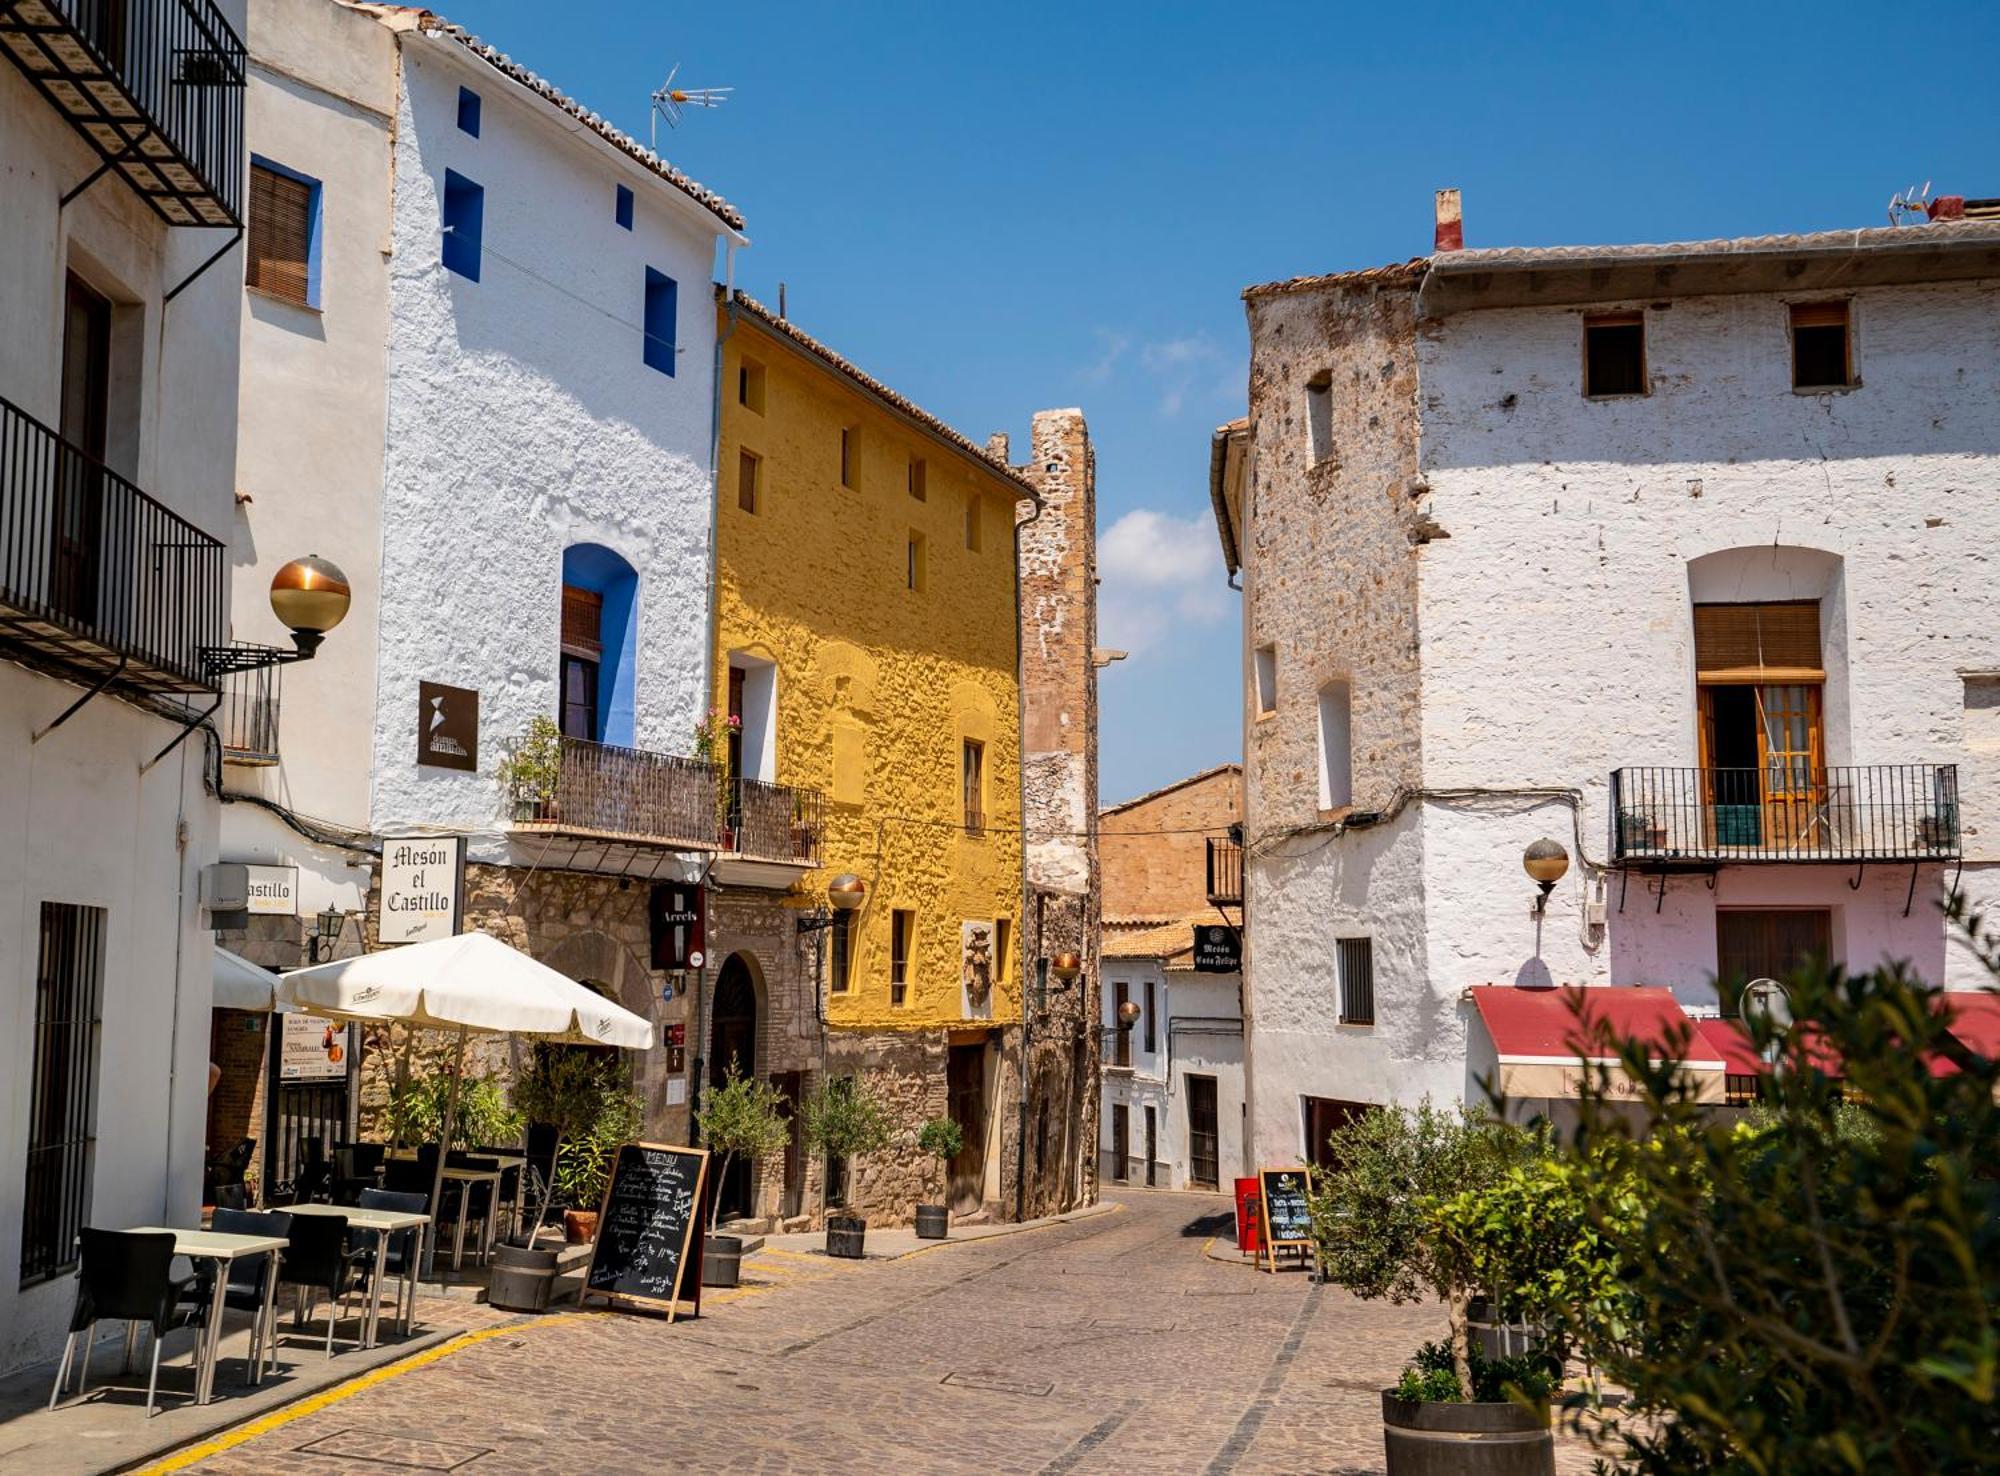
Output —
(1128, 1014)
(1546, 862)
(310, 596)
(1065, 966)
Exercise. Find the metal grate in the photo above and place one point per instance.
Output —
(776, 822)
(1225, 872)
(69, 991)
(249, 716)
(1357, 980)
(1787, 811)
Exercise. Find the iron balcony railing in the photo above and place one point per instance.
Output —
(96, 578)
(775, 822)
(627, 794)
(1880, 812)
(156, 86)
(1225, 872)
(248, 718)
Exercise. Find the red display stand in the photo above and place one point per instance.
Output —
(1249, 1217)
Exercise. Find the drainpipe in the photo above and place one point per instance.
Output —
(1041, 949)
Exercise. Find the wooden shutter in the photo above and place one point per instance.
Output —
(280, 234)
(1758, 643)
(1819, 315)
(582, 621)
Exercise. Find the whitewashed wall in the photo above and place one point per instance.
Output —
(521, 420)
(1157, 1078)
(79, 822)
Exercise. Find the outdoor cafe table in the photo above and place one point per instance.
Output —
(384, 1222)
(209, 1245)
(478, 1176)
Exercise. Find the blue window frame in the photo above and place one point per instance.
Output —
(464, 222)
(624, 207)
(468, 111)
(315, 199)
(662, 315)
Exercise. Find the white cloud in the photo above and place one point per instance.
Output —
(1158, 571)
(1112, 346)
(1192, 367)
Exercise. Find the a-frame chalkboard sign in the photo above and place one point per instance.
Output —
(648, 1248)
(1287, 1220)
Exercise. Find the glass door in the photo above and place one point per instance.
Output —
(1793, 769)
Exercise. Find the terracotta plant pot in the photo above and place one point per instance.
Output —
(579, 1226)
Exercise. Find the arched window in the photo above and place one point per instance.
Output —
(600, 640)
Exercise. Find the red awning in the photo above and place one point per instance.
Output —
(1540, 1035)
(1975, 1020)
(1732, 1042)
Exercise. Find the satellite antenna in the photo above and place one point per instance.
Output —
(1769, 1001)
(1912, 201)
(669, 101)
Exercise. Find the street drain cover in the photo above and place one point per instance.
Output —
(411, 1452)
(1112, 1324)
(997, 1385)
(1220, 1291)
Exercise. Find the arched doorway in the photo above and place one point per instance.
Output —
(733, 1041)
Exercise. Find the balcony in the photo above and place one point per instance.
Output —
(772, 833)
(156, 86)
(98, 582)
(1699, 818)
(609, 794)
(248, 717)
(1225, 873)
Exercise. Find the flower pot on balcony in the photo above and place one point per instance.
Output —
(1635, 830)
(1935, 832)
(1424, 1439)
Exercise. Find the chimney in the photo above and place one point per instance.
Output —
(999, 447)
(1450, 223)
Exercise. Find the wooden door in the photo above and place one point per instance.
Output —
(1792, 766)
(1204, 1155)
(790, 1087)
(1152, 1146)
(965, 1082)
(1121, 1140)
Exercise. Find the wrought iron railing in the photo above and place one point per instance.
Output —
(1225, 872)
(248, 718)
(155, 85)
(627, 794)
(1879, 812)
(92, 568)
(775, 822)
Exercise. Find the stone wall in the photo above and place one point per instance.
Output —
(1154, 849)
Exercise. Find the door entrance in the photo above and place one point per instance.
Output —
(1121, 1140)
(1323, 1116)
(733, 1044)
(77, 513)
(790, 1089)
(965, 1083)
(1204, 1147)
(1152, 1147)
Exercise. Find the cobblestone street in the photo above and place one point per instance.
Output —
(1108, 1344)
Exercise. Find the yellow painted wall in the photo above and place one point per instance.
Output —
(878, 685)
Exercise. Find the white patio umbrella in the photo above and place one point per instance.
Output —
(241, 985)
(469, 982)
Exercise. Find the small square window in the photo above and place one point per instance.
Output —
(918, 486)
(1614, 354)
(850, 457)
(750, 386)
(1267, 680)
(623, 208)
(283, 258)
(1355, 958)
(662, 314)
(464, 220)
(974, 534)
(747, 468)
(1822, 356)
(1319, 417)
(468, 111)
(913, 561)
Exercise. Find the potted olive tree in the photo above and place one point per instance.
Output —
(531, 769)
(942, 1139)
(842, 1119)
(1377, 1229)
(743, 1117)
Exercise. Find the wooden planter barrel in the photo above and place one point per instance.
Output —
(1424, 1439)
(845, 1235)
(933, 1221)
(722, 1260)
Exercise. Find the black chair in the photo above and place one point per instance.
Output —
(475, 1199)
(355, 1169)
(540, 1170)
(125, 1275)
(314, 1180)
(231, 1197)
(317, 1259)
(247, 1280)
(406, 1176)
(510, 1184)
(404, 1250)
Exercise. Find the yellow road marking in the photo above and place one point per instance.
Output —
(191, 1455)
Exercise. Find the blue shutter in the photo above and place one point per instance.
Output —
(625, 207)
(662, 313)
(464, 219)
(468, 111)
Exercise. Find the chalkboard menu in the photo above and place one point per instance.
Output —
(1287, 1221)
(651, 1214)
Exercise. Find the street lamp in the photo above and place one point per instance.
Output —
(310, 596)
(1546, 862)
(1065, 966)
(1128, 1014)
(326, 932)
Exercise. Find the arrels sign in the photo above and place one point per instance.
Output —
(422, 881)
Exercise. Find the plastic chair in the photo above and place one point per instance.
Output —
(244, 1290)
(404, 1250)
(355, 1169)
(318, 1260)
(124, 1275)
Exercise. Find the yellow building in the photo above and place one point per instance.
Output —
(866, 657)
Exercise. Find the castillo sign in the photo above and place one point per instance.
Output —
(1218, 949)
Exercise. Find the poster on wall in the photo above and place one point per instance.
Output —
(447, 726)
(312, 1049)
(422, 883)
(274, 890)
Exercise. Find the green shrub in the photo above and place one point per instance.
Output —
(842, 1117)
(943, 1140)
(416, 1108)
(746, 1116)
(586, 1096)
(1520, 1376)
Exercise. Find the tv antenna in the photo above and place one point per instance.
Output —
(669, 101)
(1912, 201)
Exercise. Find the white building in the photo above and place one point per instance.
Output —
(118, 330)
(479, 367)
(1675, 555)
(1172, 1113)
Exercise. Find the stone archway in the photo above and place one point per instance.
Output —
(733, 1044)
(599, 961)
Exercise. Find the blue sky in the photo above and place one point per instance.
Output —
(998, 208)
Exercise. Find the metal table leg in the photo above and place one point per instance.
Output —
(211, 1337)
(267, 1353)
(375, 1288)
(458, 1236)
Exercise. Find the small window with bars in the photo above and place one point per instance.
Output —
(69, 997)
(284, 218)
(972, 777)
(841, 934)
(902, 934)
(1356, 962)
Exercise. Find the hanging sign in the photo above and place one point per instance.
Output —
(447, 726)
(422, 883)
(1218, 949)
(274, 890)
(648, 1247)
(312, 1049)
(675, 910)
